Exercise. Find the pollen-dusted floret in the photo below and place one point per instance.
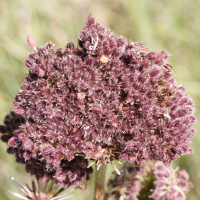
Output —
(108, 93)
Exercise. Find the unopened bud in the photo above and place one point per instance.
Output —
(31, 42)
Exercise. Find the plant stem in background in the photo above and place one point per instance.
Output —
(99, 182)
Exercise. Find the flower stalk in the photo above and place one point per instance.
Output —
(100, 183)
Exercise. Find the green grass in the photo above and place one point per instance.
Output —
(171, 25)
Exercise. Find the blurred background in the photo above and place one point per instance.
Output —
(162, 25)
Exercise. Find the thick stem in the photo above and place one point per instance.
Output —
(99, 182)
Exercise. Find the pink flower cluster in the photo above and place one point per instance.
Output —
(74, 172)
(105, 100)
(152, 181)
(169, 184)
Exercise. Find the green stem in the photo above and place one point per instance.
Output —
(99, 182)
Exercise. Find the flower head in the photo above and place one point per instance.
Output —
(169, 184)
(152, 181)
(106, 100)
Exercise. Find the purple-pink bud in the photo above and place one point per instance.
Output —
(41, 72)
(60, 176)
(27, 144)
(45, 179)
(90, 20)
(19, 111)
(31, 41)
(47, 149)
(11, 141)
(26, 155)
